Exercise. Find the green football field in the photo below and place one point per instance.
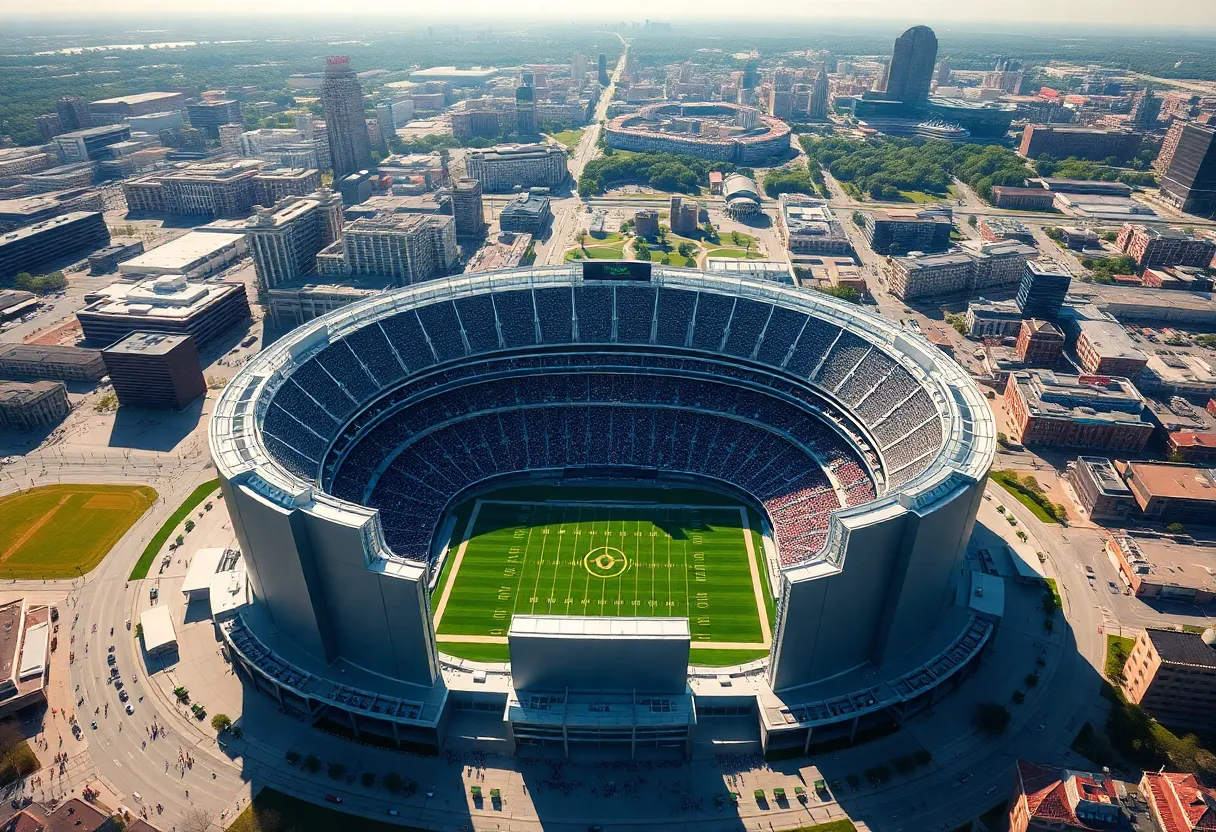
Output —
(551, 558)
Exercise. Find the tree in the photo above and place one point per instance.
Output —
(580, 237)
(393, 782)
(189, 526)
(707, 228)
(686, 249)
(197, 820)
(1176, 528)
(221, 723)
(991, 718)
(368, 779)
(311, 764)
(859, 219)
(971, 221)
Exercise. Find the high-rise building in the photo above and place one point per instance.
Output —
(604, 79)
(578, 67)
(751, 74)
(818, 108)
(525, 111)
(685, 214)
(467, 208)
(209, 115)
(342, 99)
(1042, 290)
(403, 248)
(155, 371)
(284, 240)
(943, 72)
(74, 113)
(912, 62)
(1189, 180)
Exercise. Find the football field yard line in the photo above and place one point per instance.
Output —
(704, 527)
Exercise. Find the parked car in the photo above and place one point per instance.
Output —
(332, 798)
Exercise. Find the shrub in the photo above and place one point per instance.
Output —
(293, 758)
(393, 782)
(1018, 697)
(221, 723)
(1176, 528)
(189, 526)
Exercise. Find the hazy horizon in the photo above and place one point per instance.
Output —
(1097, 15)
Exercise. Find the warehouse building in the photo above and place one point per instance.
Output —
(195, 255)
(1104, 348)
(1161, 568)
(169, 304)
(35, 248)
(120, 108)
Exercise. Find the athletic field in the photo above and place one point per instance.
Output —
(699, 562)
(63, 531)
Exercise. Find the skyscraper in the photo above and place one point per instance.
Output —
(467, 208)
(342, 99)
(604, 79)
(819, 97)
(578, 67)
(943, 72)
(525, 111)
(912, 63)
(1189, 182)
(751, 74)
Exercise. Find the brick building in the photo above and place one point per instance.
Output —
(1104, 348)
(1092, 412)
(1101, 490)
(1177, 802)
(1062, 800)
(1040, 344)
(1080, 142)
(1172, 675)
(1154, 248)
(1168, 492)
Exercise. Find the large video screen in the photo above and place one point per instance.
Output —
(616, 270)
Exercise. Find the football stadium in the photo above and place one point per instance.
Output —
(605, 506)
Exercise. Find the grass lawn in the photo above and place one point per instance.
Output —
(1007, 481)
(616, 252)
(61, 531)
(162, 535)
(736, 238)
(1118, 648)
(570, 138)
(595, 555)
(273, 811)
(830, 826)
(18, 762)
(922, 197)
(737, 253)
(604, 239)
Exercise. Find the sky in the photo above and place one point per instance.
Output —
(1100, 14)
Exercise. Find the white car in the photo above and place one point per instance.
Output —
(130, 708)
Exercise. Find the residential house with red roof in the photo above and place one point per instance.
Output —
(1178, 803)
(1047, 798)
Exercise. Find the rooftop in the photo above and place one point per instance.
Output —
(1175, 482)
(584, 626)
(1163, 561)
(48, 353)
(147, 343)
(1110, 340)
(1080, 398)
(1104, 473)
(157, 624)
(18, 392)
(167, 296)
(138, 98)
(1182, 648)
(46, 225)
(181, 254)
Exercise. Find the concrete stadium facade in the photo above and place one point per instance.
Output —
(636, 131)
(872, 588)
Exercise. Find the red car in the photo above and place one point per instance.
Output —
(333, 798)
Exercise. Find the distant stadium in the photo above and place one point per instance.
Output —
(717, 130)
(604, 484)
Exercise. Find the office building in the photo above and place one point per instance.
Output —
(27, 210)
(271, 186)
(1172, 675)
(1048, 409)
(1104, 348)
(910, 72)
(1040, 344)
(401, 248)
(467, 124)
(467, 208)
(216, 189)
(284, 241)
(50, 362)
(810, 227)
(976, 267)
(170, 304)
(603, 71)
(1079, 142)
(1169, 145)
(32, 406)
(1102, 492)
(355, 188)
(1063, 800)
(36, 248)
(684, 216)
(155, 371)
(1188, 168)
(207, 116)
(817, 106)
(1079, 239)
(899, 232)
(342, 99)
(578, 67)
(505, 167)
(1155, 248)
(73, 112)
(993, 319)
(1178, 802)
(121, 108)
(528, 213)
(1042, 290)
(86, 145)
(525, 111)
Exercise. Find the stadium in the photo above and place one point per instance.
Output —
(719, 131)
(604, 505)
